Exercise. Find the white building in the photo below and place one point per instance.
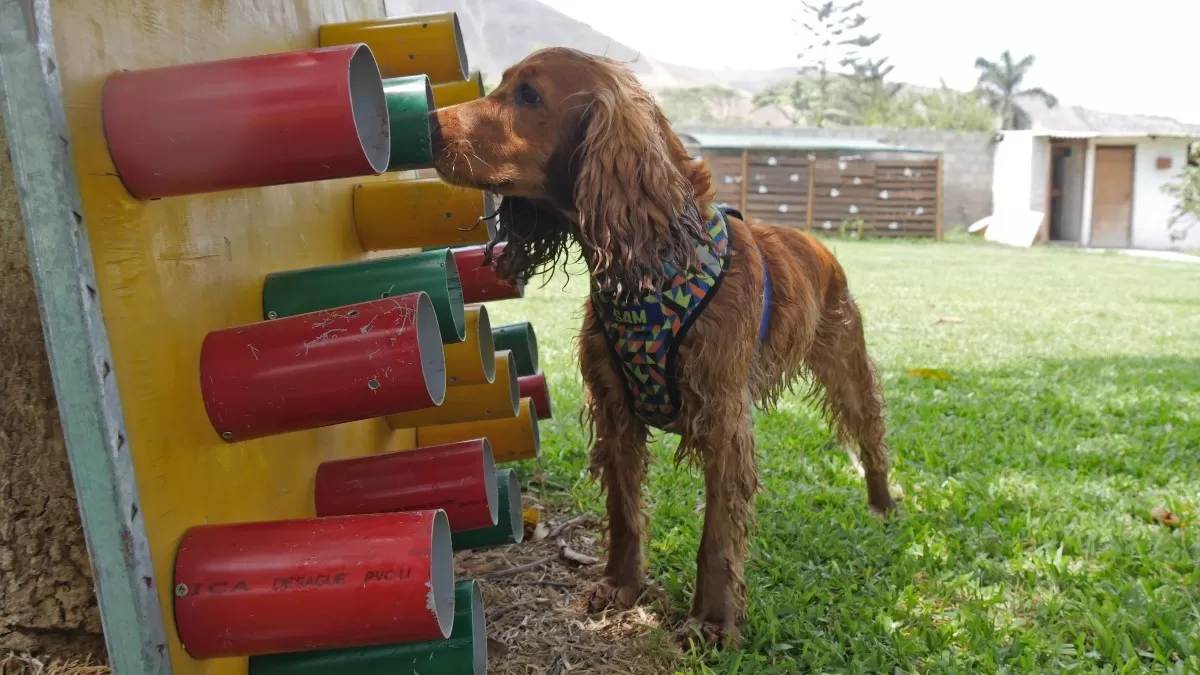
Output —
(1096, 179)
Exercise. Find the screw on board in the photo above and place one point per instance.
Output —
(227, 435)
(181, 590)
(272, 315)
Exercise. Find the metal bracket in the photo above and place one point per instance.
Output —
(76, 341)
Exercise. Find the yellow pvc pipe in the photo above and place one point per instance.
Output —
(512, 439)
(463, 91)
(472, 361)
(470, 403)
(430, 44)
(420, 213)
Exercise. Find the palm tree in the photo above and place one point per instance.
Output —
(1000, 84)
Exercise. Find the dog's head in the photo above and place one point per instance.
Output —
(577, 147)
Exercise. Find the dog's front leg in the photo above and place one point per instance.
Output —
(619, 460)
(730, 481)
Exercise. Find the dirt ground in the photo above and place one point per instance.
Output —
(536, 625)
(532, 595)
(15, 664)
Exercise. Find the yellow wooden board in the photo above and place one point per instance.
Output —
(172, 270)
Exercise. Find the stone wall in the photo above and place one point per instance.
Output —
(966, 168)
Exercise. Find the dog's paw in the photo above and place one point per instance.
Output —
(886, 511)
(608, 594)
(884, 514)
(711, 634)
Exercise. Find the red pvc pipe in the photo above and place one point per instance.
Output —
(324, 583)
(459, 478)
(479, 283)
(312, 370)
(274, 119)
(534, 387)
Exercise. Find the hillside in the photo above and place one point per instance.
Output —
(499, 33)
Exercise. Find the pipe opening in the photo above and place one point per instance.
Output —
(537, 431)
(533, 346)
(458, 313)
(461, 46)
(549, 399)
(429, 345)
(489, 481)
(514, 384)
(430, 106)
(369, 108)
(441, 573)
(487, 345)
(516, 517)
(478, 631)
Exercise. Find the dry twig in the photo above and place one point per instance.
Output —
(562, 528)
(519, 568)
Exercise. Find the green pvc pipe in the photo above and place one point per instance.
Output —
(464, 653)
(409, 102)
(316, 288)
(520, 339)
(510, 522)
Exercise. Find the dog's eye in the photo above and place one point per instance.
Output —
(528, 96)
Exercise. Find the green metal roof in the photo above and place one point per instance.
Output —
(719, 141)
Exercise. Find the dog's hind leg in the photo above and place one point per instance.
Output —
(619, 461)
(840, 364)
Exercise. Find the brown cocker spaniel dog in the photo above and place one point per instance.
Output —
(695, 316)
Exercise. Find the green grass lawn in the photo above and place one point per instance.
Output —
(1025, 543)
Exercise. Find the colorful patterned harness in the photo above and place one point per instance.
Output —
(646, 332)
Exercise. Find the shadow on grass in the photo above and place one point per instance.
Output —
(1179, 302)
(1022, 540)
(1112, 416)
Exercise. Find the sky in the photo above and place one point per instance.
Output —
(1122, 56)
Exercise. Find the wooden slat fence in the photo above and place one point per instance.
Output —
(871, 197)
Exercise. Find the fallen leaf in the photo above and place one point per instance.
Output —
(1165, 517)
(496, 649)
(947, 319)
(930, 374)
(532, 516)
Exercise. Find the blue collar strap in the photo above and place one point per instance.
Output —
(766, 301)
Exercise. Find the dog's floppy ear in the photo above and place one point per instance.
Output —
(637, 208)
(535, 234)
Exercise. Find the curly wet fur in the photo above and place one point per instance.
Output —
(596, 163)
(535, 238)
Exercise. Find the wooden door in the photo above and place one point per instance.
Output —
(1112, 196)
(1052, 229)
